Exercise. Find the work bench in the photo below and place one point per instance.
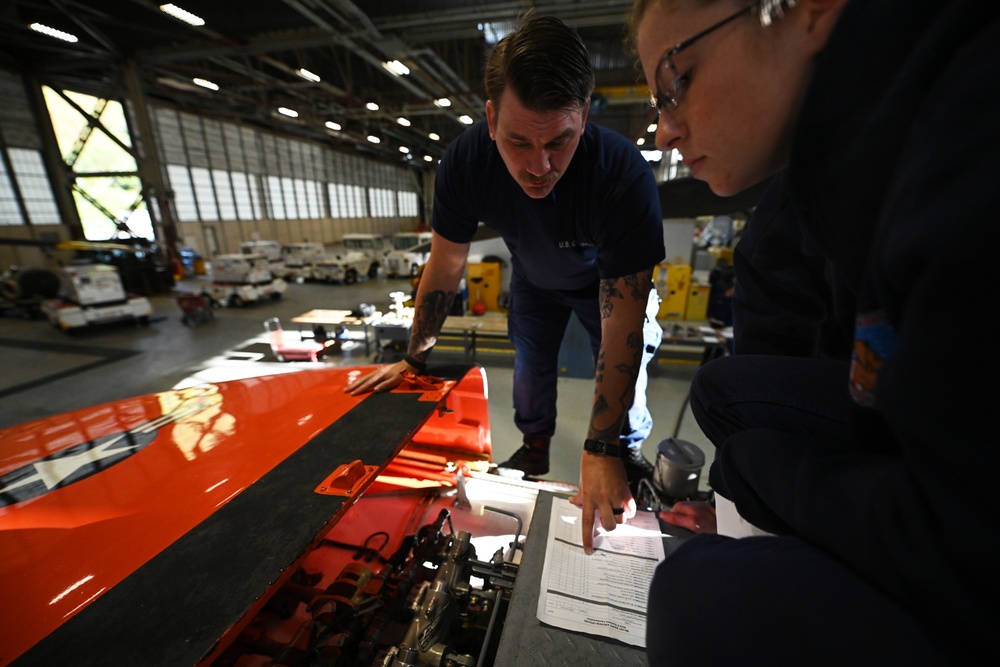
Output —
(344, 318)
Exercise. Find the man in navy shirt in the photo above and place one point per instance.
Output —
(577, 206)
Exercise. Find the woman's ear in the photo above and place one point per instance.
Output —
(818, 17)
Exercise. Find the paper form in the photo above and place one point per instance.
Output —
(605, 593)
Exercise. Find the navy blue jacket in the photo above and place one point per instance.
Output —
(895, 177)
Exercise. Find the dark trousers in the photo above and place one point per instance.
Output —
(772, 600)
(536, 324)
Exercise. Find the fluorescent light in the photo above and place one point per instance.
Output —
(465, 119)
(396, 67)
(443, 102)
(404, 149)
(205, 83)
(285, 111)
(333, 126)
(181, 14)
(428, 158)
(651, 128)
(371, 106)
(640, 141)
(52, 32)
(652, 156)
(434, 136)
(307, 75)
(403, 121)
(372, 138)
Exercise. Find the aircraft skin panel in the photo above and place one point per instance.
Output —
(140, 532)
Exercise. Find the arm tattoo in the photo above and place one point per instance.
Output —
(608, 292)
(427, 322)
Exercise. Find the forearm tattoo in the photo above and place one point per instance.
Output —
(428, 319)
(637, 286)
(607, 293)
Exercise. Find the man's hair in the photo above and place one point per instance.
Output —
(544, 62)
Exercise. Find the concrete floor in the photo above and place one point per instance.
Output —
(45, 371)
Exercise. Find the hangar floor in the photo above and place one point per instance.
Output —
(45, 371)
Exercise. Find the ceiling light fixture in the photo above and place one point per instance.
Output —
(443, 102)
(404, 149)
(396, 67)
(181, 14)
(372, 138)
(371, 106)
(307, 75)
(651, 128)
(333, 126)
(52, 32)
(285, 111)
(205, 83)
(640, 141)
(428, 158)
(467, 120)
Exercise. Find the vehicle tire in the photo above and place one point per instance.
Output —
(350, 277)
(373, 271)
(235, 301)
(275, 296)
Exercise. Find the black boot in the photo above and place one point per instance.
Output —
(637, 466)
(532, 458)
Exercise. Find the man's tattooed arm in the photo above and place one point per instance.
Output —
(623, 306)
(428, 319)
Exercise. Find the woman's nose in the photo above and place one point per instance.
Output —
(668, 132)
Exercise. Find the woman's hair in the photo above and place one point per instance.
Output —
(639, 9)
(544, 62)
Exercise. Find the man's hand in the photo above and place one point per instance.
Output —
(698, 516)
(381, 379)
(603, 489)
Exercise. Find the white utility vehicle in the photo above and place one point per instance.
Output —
(300, 257)
(242, 278)
(94, 294)
(344, 267)
(271, 250)
(372, 246)
(410, 251)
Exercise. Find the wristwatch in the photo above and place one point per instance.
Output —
(606, 448)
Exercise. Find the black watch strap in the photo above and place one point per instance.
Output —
(606, 448)
(414, 363)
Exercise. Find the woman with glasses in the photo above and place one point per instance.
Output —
(875, 475)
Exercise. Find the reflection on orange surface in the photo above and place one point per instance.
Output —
(177, 457)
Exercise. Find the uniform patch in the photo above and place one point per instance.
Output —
(874, 342)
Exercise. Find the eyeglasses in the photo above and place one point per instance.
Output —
(671, 85)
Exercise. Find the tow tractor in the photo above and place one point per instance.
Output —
(242, 278)
(94, 294)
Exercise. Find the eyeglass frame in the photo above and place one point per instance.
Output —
(659, 99)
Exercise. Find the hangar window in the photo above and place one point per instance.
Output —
(10, 213)
(180, 182)
(33, 182)
(241, 191)
(408, 204)
(224, 194)
(204, 193)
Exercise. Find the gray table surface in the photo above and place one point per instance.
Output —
(526, 641)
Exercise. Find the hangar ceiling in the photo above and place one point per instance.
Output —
(254, 52)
